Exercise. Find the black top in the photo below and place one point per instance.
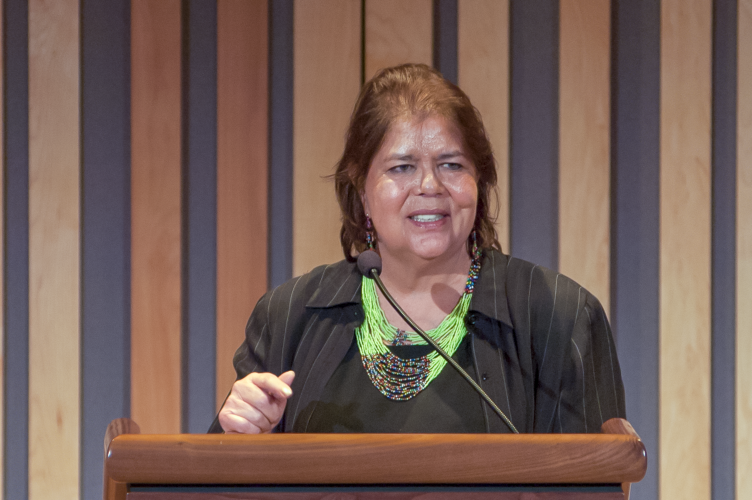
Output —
(351, 403)
(540, 343)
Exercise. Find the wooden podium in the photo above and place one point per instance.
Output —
(370, 466)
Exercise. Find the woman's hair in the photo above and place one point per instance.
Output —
(409, 90)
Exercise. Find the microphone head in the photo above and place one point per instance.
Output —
(368, 261)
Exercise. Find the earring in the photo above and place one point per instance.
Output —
(369, 233)
(475, 250)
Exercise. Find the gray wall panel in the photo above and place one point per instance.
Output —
(724, 248)
(534, 137)
(200, 214)
(280, 140)
(16, 271)
(105, 217)
(445, 38)
(635, 179)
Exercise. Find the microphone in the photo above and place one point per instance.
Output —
(369, 265)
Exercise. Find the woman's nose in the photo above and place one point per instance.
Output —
(430, 182)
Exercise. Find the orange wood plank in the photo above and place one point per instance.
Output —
(327, 80)
(685, 240)
(155, 215)
(398, 32)
(744, 254)
(54, 235)
(242, 173)
(584, 163)
(483, 67)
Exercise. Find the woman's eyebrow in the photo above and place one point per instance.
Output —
(400, 157)
(449, 155)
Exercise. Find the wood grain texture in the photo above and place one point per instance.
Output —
(378, 494)
(54, 235)
(376, 459)
(242, 173)
(685, 239)
(155, 215)
(327, 81)
(483, 71)
(397, 32)
(744, 254)
(584, 163)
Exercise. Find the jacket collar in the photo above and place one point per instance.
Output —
(490, 295)
(339, 285)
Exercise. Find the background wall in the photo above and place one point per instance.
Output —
(164, 160)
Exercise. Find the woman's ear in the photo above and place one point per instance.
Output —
(364, 202)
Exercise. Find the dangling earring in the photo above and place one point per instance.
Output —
(369, 233)
(475, 250)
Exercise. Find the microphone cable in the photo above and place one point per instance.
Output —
(369, 264)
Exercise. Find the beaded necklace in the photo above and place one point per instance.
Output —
(398, 378)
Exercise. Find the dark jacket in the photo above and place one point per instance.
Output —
(540, 342)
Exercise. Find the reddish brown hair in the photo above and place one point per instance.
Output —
(406, 91)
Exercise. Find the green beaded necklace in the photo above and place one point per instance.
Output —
(398, 378)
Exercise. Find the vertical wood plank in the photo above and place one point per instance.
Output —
(685, 249)
(54, 235)
(397, 32)
(483, 59)
(744, 254)
(242, 173)
(584, 166)
(155, 215)
(327, 80)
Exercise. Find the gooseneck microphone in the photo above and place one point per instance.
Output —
(369, 265)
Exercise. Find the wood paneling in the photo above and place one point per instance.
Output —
(483, 60)
(584, 166)
(684, 422)
(744, 255)
(155, 215)
(397, 32)
(54, 235)
(242, 173)
(327, 80)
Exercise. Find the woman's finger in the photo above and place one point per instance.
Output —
(256, 403)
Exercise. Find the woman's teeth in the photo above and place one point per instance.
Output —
(427, 217)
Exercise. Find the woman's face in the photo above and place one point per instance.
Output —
(421, 190)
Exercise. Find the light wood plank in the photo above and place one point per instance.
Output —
(398, 32)
(155, 215)
(685, 240)
(483, 67)
(584, 164)
(327, 80)
(54, 235)
(744, 255)
(242, 173)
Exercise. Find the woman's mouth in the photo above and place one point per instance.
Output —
(427, 217)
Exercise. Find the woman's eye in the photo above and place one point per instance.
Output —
(401, 168)
(452, 166)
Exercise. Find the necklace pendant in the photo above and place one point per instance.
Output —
(400, 338)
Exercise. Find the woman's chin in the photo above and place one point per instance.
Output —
(432, 250)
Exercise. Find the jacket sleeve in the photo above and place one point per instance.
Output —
(592, 390)
(253, 353)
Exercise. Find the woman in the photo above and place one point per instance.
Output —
(326, 353)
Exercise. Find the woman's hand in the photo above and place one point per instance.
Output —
(256, 403)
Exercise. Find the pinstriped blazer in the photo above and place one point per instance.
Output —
(541, 344)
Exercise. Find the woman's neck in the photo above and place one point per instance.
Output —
(427, 290)
(406, 275)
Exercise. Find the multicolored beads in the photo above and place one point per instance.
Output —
(401, 379)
